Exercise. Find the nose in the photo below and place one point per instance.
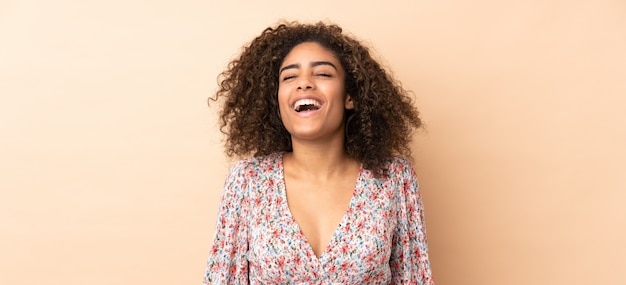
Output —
(305, 83)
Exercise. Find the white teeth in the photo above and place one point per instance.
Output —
(303, 102)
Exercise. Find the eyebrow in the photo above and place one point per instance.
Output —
(313, 64)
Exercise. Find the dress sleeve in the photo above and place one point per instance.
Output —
(227, 263)
(409, 261)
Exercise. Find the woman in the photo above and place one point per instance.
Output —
(325, 195)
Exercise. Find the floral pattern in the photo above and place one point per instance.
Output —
(381, 239)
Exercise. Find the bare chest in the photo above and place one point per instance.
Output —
(319, 208)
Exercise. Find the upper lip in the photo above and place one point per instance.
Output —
(292, 104)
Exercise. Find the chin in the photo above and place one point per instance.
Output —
(304, 136)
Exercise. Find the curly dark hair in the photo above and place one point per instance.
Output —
(379, 127)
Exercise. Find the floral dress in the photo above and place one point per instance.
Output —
(381, 239)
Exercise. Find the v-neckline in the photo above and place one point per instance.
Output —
(342, 221)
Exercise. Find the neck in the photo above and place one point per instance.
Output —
(320, 160)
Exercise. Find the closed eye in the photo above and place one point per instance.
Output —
(288, 77)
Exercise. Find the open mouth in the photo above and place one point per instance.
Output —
(304, 105)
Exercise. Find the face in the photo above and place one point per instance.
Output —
(311, 93)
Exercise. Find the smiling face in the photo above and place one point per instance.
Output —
(311, 93)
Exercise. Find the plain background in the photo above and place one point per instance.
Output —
(111, 164)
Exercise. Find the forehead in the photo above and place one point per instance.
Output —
(310, 52)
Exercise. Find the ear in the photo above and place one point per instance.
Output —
(349, 104)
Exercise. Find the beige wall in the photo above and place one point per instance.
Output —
(111, 165)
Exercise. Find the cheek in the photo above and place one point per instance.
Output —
(282, 100)
(335, 89)
(283, 104)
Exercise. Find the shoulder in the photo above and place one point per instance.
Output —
(400, 168)
(253, 166)
(248, 173)
(401, 172)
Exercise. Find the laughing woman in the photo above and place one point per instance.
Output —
(324, 193)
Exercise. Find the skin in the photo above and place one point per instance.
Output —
(319, 176)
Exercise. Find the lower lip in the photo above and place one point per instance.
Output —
(305, 114)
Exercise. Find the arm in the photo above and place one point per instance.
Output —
(227, 263)
(409, 254)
